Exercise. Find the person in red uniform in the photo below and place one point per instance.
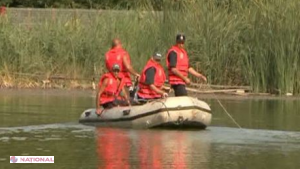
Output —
(178, 67)
(118, 55)
(2, 10)
(151, 84)
(110, 86)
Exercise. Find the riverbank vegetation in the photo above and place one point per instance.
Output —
(85, 4)
(233, 42)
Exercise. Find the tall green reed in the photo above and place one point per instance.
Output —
(233, 42)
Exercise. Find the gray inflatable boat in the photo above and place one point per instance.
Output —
(172, 112)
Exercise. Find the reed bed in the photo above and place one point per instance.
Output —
(233, 42)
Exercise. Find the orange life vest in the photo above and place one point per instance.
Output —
(182, 65)
(2, 10)
(159, 79)
(112, 90)
(115, 56)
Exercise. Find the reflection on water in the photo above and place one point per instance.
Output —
(151, 149)
(45, 124)
(112, 148)
(77, 146)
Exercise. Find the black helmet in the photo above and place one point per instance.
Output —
(115, 67)
(157, 56)
(180, 38)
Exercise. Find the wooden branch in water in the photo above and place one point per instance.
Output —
(239, 92)
(212, 91)
(220, 86)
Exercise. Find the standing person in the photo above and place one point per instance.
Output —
(110, 86)
(2, 10)
(178, 67)
(118, 55)
(151, 85)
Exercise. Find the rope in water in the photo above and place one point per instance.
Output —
(236, 123)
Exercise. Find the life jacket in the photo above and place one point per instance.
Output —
(182, 65)
(2, 10)
(159, 79)
(112, 90)
(115, 56)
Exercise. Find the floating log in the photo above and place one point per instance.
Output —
(239, 92)
(212, 91)
(220, 86)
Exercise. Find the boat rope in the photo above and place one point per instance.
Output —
(229, 115)
(169, 116)
(165, 107)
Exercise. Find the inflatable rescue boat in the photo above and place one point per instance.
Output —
(172, 112)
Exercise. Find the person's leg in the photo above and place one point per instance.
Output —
(179, 90)
(108, 105)
(120, 102)
(142, 100)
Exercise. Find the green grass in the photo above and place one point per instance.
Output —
(233, 42)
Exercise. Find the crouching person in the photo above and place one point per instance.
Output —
(110, 86)
(151, 85)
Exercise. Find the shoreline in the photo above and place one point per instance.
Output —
(90, 92)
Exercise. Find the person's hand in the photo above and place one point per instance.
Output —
(187, 80)
(128, 102)
(165, 95)
(204, 78)
(138, 76)
(167, 89)
(99, 111)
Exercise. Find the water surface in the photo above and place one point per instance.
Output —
(44, 123)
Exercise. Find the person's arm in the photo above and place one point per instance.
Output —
(100, 91)
(159, 91)
(180, 75)
(129, 67)
(150, 74)
(126, 95)
(166, 88)
(197, 74)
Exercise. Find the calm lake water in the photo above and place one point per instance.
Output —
(44, 123)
